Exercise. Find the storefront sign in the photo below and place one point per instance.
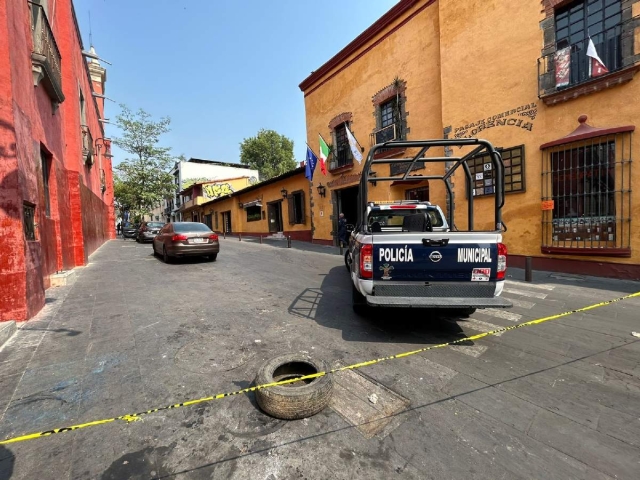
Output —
(510, 118)
(548, 205)
(344, 180)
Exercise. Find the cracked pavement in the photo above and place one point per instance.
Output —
(557, 400)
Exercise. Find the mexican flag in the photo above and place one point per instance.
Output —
(324, 154)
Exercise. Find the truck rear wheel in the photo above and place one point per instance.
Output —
(463, 312)
(358, 302)
(347, 261)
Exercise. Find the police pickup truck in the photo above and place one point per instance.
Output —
(407, 254)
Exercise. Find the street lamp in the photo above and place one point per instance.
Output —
(284, 192)
(322, 191)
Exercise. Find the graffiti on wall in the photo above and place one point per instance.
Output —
(520, 117)
(216, 190)
(187, 182)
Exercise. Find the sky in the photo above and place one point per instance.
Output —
(221, 70)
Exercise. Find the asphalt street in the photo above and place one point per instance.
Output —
(558, 400)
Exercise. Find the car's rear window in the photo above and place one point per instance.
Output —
(155, 224)
(190, 227)
(395, 218)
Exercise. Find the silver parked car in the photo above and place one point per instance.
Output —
(148, 231)
(183, 239)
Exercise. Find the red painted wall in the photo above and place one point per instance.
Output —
(80, 212)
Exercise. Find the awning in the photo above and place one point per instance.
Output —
(255, 203)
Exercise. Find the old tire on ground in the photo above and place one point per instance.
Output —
(295, 400)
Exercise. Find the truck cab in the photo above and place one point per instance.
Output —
(408, 254)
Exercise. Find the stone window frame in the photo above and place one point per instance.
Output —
(383, 96)
(547, 90)
(337, 121)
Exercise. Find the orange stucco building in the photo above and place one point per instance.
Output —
(518, 76)
(280, 205)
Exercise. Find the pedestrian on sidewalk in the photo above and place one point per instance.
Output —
(118, 228)
(342, 230)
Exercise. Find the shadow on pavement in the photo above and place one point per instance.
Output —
(7, 459)
(330, 306)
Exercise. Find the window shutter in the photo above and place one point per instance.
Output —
(303, 212)
(292, 214)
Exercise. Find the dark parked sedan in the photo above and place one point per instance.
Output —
(182, 239)
(148, 231)
(129, 230)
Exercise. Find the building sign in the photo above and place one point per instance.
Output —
(548, 205)
(344, 180)
(216, 190)
(520, 117)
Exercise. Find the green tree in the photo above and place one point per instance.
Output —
(142, 181)
(268, 152)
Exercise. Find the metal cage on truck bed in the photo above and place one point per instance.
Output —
(483, 147)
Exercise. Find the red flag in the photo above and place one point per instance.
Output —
(596, 67)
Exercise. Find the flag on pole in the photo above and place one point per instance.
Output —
(596, 66)
(353, 143)
(310, 165)
(324, 154)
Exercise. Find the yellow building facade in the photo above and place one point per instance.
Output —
(513, 73)
(278, 206)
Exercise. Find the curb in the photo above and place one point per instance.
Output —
(7, 329)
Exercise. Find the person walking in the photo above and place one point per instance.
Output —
(342, 230)
(118, 228)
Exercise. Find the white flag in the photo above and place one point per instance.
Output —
(596, 66)
(353, 143)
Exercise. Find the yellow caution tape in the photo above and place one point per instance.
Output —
(134, 417)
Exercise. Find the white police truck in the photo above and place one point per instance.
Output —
(408, 254)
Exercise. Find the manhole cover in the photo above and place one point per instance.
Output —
(217, 354)
(369, 406)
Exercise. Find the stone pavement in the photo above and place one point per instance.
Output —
(558, 400)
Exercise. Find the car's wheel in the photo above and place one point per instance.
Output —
(358, 302)
(137, 239)
(347, 260)
(165, 256)
(296, 400)
(212, 257)
(153, 246)
(462, 312)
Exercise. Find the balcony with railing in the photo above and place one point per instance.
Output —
(45, 57)
(341, 160)
(87, 145)
(566, 73)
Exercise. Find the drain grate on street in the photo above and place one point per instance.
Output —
(366, 404)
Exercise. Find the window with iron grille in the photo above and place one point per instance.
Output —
(483, 175)
(421, 194)
(587, 187)
(29, 220)
(600, 20)
(342, 151)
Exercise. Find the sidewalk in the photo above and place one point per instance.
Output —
(282, 243)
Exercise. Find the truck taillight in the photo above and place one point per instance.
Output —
(502, 261)
(366, 261)
(178, 238)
